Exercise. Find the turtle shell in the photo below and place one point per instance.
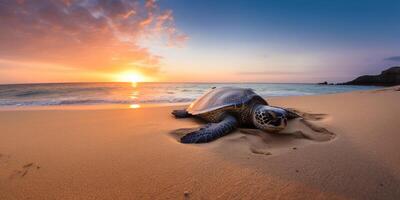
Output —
(222, 97)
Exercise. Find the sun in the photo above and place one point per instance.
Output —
(133, 77)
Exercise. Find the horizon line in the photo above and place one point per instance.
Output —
(162, 82)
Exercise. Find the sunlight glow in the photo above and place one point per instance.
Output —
(133, 77)
(134, 106)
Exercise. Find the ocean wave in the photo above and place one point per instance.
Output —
(31, 93)
(92, 102)
(37, 90)
(145, 93)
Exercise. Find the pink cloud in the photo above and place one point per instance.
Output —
(93, 34)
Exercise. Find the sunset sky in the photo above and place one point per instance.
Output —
(196, 40)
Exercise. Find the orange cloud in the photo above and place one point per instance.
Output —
(91, 35)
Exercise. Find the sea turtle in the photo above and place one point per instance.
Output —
(228, 107)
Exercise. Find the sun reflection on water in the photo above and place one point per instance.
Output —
(134, 95)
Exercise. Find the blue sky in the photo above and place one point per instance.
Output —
(335, 40)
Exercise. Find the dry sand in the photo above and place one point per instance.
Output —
(347, 148)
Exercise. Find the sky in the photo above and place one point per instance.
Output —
(196, 40)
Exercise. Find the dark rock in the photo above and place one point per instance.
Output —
(323, 83)
(389, 77)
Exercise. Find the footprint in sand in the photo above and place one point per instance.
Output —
(4, 159)
(4, 156)
(260, 151)
(25, 169)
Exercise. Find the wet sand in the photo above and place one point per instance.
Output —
(346, 147)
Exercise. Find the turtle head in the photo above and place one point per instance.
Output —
(270, 119)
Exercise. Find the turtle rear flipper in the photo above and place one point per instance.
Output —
(211, 131)
(181, 113)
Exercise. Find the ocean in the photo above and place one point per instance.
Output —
(53, 94)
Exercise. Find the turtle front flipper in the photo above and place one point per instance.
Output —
(181, 113)
(211, 131)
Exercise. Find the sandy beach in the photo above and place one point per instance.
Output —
(348, 148)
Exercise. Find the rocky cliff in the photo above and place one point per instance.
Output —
(389, 77)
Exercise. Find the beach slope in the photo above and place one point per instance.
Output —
(346, 148)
